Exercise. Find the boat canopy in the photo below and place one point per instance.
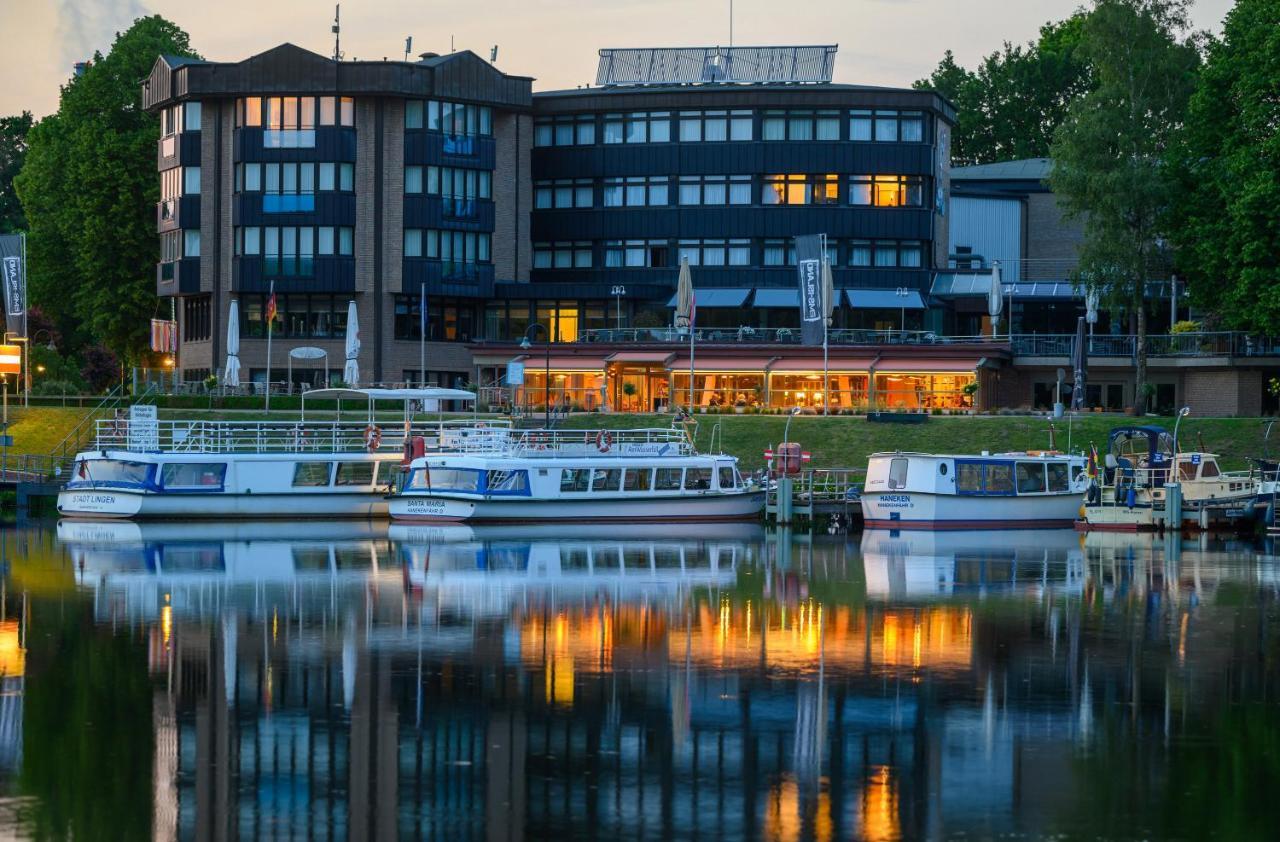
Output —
(1149, 441)
(424, 393)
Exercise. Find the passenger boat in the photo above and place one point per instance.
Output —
(1131, 493)
(143, 467)
(1029, 490)
(564, 475)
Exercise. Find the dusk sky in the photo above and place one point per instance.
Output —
(882, 42)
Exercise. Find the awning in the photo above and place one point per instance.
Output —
(638, 357)
(884, 299)
(535, 362)
(716, 297)
(833, 366)
(961, 284)
(924, 365)
(707, 365)
(777, 298)
(1045, 289)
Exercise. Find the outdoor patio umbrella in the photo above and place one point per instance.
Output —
(231, 374)
(1079, 359)
(351, 371)
(684, 296)
(995, 298)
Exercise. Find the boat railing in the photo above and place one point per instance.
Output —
(196, 436)
(579, 443)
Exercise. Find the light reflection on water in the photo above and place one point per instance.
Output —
(329, 680)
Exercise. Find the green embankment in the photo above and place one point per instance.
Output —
(39, 429)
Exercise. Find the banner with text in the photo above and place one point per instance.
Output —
(809, 268)
(14, 277)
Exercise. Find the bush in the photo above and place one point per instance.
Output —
(101, 367)
(1185, 326)
(55, 388)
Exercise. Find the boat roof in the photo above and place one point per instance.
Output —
(428, 393)
(1015, 454)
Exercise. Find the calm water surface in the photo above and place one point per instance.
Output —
(354, 681)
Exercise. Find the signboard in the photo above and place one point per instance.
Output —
(144, 428)
(515, 373)
(10, 359)
(13, 279)
(809, 275)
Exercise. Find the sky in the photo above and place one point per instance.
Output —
(882, 42)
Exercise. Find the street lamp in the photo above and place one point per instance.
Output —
(903, 293)
(1182, 413)
(617, 292)
(527, 344)
(786, 429)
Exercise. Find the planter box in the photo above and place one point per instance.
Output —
(897, 417)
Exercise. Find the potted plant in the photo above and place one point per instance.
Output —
(629, 389)
(739, 406)
(970, 390)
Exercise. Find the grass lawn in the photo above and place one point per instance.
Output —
(40, 429)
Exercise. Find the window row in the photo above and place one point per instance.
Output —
(320, 474)
(449, 246)
(452, 118)
(179, 181)
(291, 113)
(581, 480)
(197, 318)
(907, 254)
(448, 319)
(1006, 479)
(575, 255)
(175, 245)
(450, 182)
(294, 178)
(860, 253)
(297, 315)
(183, 117)
(880, 125)
(564, 193)
(291, 250)
(886, 191)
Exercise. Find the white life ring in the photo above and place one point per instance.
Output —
(372, 437)
(604, 441)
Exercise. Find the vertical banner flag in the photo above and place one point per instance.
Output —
(809, 269)
(13, 276)
(164, 336)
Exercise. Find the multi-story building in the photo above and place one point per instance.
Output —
(331, 182)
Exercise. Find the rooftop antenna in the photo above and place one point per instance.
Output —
(730, 24)
(450, 43)
(493, 55)
(408, 46)
(336, 29)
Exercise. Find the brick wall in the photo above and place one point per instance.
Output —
(1053, 242)
(512, 195)
(392, 235)
(1218, 392)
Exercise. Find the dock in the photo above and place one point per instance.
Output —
(811, 493)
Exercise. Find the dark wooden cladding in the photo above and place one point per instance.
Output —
(291, 70)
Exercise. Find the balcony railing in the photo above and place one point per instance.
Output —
(774, 336)
(1218, 344)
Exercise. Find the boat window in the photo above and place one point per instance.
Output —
(1209, 469)
(175, 558)
(666, 557)
(606, 479)
(968, 478)
(574, 558)
(667, 479)
(446, 479)
(508, 482)
(637, 479)
(1186, 470)
(354, 473)
(898, 473)
(636, 558)
(312, 473)
(311, 558)
(575, 479)
(1030, 478)
(193, 475)
(999, 479)
(697, 479)
(1058, 477)
(352, 558)
(727, 478)
(111, 470)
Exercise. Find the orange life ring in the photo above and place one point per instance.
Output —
(604, 441)
(372, 437)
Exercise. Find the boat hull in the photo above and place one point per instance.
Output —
(128, 503)
(424, 507)
(922, 510)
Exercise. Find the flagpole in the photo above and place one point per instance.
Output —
(693, 317)
(270, 322)
(26, 346)
(826, 306)
(422, 338)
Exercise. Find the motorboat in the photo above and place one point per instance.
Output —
(144, 467)
(579, 475)
(1022, 490)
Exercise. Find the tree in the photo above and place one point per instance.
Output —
(1010, 106)
(1109, 154)
(89, 190)
(13, 149)
(1225, 226)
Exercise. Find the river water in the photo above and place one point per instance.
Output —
(360, 681)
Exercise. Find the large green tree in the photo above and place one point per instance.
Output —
(1109, 153)
(1227, 219)
(89, 190)
(13, 150)
(1010, 106)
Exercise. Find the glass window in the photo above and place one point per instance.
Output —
(191, 181)
(347, 111)
(585, 132)
(446, 479)
(637, 479)
(413, 114)
(345, 239)
(898, 473)
(999, 478)
(968, 478)
(355, 473)
(606, 479)
(740, 125)
(860, 125)
(191, 242)
(910, 255)
(413, 179)
(886, 126)
(667, 479)
(193, 475)
(507, 482)
(346, 177)
(1059, 477)
(413, 242)
(253, 111)
(252, 177)
(110, 471)
(613, 128)
(860, 253)
(328, 111)
(327, 177)
(575, 479)
(697, 479)
(773, 126)
(727, 478)
(324, 240)
(1031, 478)
(911, 126)
(312, 473)
(1209, 469)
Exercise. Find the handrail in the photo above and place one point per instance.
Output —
(110, 401)
(547, 443)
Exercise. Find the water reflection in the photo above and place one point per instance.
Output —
(351, 681)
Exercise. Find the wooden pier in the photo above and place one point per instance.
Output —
(815, 492)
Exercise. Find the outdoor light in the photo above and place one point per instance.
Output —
(1182, 413)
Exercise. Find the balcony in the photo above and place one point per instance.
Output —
(447, 276)
(447, 212)
(423, 147)
(178, 150)
(1185, 345)
(182, 212)
(327, 273)
(775, 336)
(288, 203)
(178, 277)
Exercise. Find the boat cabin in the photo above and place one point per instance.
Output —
(995, 475)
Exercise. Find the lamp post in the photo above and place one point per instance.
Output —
(1182, 413)
(527, 344)
(902, 293)
(786, 429)
(617, 292)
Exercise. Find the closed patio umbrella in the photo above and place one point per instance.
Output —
(684, 296)
(1079, 360)
(351, 371)
(231, 374)
(995, 298)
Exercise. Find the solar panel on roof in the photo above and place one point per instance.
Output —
(697, 65)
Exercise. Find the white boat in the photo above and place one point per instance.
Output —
(585, 475)
(1030, 490)
(144, 467)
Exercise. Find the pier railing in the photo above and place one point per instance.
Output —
(586, 443)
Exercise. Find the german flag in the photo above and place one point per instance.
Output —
(271, 308)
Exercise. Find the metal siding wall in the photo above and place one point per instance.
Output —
(992, 228)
